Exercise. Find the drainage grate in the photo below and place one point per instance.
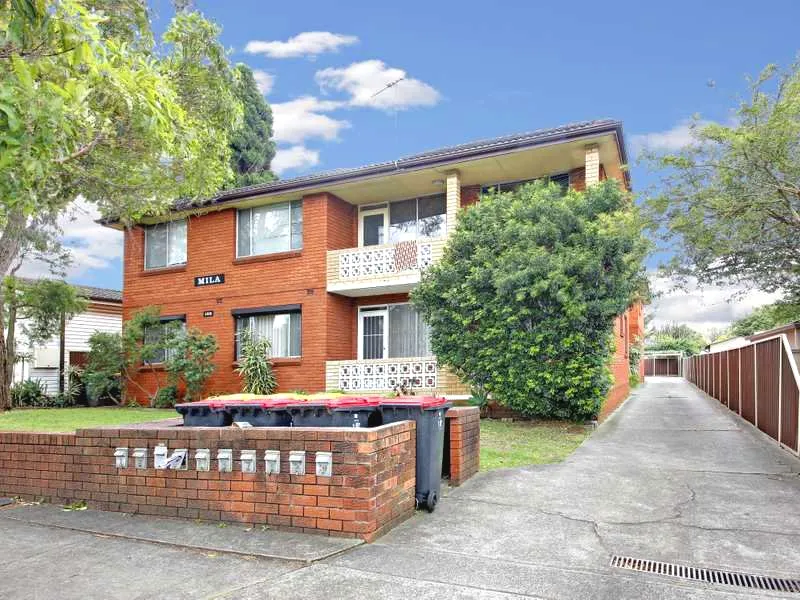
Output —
(715, 576)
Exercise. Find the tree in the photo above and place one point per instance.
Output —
(91, 104)
(766, 317)
(104, 368)
(190, 359)
(729, 202)
(523, 302)
(252, 148)
(41, 306)
(676, 337)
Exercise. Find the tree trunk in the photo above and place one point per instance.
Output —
(6, 369)
(10, 244)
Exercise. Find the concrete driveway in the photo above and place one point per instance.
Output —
(672, 476)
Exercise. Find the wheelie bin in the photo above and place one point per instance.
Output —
(355, 412)
(205, 413)
(310, 413)
(268, 412)
(428, 413)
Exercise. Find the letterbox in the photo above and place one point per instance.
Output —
(297, 462)
(272, 458)
(225, 460)
(121, 458)
(202, 459)
(160, 453)
(324, 464)
(140, 458)
(248, 458)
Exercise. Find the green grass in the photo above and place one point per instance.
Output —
(70, 419)
(521, 443)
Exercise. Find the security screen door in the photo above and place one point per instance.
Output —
(372, 334)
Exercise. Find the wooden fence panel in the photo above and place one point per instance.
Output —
(790, 405)
(733, 380)
(748, 399)
(768, 386)
(723, 378)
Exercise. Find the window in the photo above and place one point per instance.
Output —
(271, 228)
(281, 327)
(154, 334)
(417, 218)
(393, 331)
(561, 179)
(165, 244)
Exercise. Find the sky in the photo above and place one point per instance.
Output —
(475, 69)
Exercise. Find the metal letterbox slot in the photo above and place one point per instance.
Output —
(121, 458)
(225, 460)
(140, 458)
(202, 459)
(178, 460)
(160, 453)
(297, 462)
(272, 458)
(324, 464)
(248, 458)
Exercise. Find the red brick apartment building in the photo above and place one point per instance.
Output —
(322, 264)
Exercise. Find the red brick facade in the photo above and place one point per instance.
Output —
(464, 424)
(371, 489)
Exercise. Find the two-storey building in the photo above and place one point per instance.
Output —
(322, 265)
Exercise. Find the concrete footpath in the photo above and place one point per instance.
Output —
(672, 476)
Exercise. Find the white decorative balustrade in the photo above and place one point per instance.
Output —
(383, 375)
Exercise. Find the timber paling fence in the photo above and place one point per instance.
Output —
(759, 382)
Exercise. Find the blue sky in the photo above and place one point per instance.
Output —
(476, 69)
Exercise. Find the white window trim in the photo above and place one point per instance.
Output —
(375, 211)
(377, 310)
(290, 312)
(167, 264)
(250, 208)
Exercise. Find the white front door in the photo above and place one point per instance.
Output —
(372, 227)
(373, 341)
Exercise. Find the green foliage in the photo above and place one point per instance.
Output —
(40, 304)
(633, 380)
(252, 148)
(255, 366)
(635, 357)
(676, 337)
(105, 365)
(28, 393)
(729, 202)
(190, 360)
(766, 317)
(166, 397)
(522, 303)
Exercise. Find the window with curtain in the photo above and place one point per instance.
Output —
(281, 329)
(165, 244)
(408, 334)
(562, 179)
(271, 228)
(154, 333)
(418, 218)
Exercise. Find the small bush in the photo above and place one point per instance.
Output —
(102, 375)
(166, 397)
(633, 380)
(255, 366)
(29, 393)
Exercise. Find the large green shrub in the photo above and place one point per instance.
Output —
(190, 359)
(523, 302)
(102, 374)
(28, 393)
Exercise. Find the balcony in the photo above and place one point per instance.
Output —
(383, 375)
(385, 269)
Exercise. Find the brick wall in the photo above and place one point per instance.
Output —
(465, 442)
(371, 489)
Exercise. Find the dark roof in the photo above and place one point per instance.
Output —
(430, 158)
(90, 292)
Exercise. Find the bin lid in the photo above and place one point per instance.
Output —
(423, 402)
(354, 402)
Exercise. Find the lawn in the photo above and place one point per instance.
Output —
(70, 419)
(519, 443)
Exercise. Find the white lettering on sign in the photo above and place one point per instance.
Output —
(209, 279)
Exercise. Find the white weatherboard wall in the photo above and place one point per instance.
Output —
(78, 330)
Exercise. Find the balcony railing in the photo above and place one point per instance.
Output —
(419, 373)
(396, 266)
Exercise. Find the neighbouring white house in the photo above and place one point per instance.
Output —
(50, 362)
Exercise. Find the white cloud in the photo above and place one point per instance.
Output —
(302, 118)
(362, 80)
(91, 245)
(703, 308)
(294, 157)
(265, 81)
(670, 140)
(308, 43)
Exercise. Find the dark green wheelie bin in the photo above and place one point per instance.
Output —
(428, 413)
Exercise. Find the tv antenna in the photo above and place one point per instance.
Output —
(387, 86)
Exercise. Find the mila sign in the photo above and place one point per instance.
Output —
(202, 280)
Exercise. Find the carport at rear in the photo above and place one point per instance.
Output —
(663, 364)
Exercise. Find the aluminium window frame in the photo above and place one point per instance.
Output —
(167, 264)
(250, 208)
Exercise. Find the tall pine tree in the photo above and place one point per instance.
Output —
(252, 148)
